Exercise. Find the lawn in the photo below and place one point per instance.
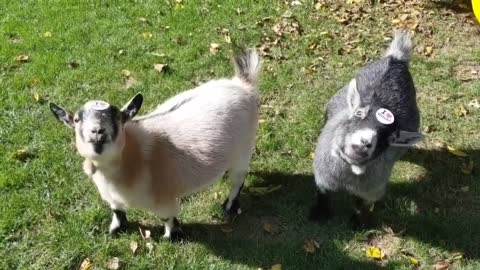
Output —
(51, 216)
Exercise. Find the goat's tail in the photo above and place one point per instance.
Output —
(401, 46)
(247, 64)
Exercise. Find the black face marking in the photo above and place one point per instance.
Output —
(98, 148)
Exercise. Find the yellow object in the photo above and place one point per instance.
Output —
(375, 253)
(476, 9)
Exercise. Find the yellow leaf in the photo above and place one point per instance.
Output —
(276, 267)
(160, 67)
(375, 253)
(312, 155)
(178, 6)
(214, 48)
(22, 58)
(147, 35)
(47, 34)
(413, 261)
(227, 38)
(126, 73)
(456, 152)
(36, 96)
(86, 264)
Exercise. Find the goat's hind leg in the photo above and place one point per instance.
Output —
(231, 206)
(119, 222)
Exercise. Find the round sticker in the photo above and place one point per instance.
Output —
(385, 116)
(476, 9)
(97, 105)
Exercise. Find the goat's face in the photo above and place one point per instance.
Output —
(369, 130)
(99, 127)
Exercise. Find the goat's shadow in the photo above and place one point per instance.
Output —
(436, 209)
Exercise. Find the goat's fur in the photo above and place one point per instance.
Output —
(384, 83)
(183, 146)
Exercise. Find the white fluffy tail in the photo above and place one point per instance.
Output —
(247, 65)
(401, 46)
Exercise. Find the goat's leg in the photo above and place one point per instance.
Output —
(119, 221)
(322, 210)
(231, 206)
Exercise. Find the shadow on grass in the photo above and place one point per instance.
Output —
(408, 206)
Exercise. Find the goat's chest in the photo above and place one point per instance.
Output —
(120, 194)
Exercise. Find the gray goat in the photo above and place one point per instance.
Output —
(370, 123)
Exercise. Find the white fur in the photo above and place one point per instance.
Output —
(192, 138)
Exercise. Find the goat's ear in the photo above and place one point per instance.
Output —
(62, 115)
(406, 138)
(132, 107)
(353, 97)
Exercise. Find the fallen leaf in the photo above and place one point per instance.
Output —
(147, 35)
(441, 265)
(413, 260)
(36, 96)
(271, 228)
(113, 263)
(295, 3)
(126, 73)
(457, 256)
(276, 267)
(474, 103)
(133, 246)
(467, 167)
(22, 155)
(428, 50)
(456, 152)
(214, 48)
(226, 229)
(312, 155)
(178, 6)
(228, 39)
(47, 35)
(22, 58)
(86, 264)
(264, 190)
(461, 111)
(375, 253)
(160, 67)
(311, 246)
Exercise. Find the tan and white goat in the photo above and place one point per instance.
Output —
(183, 146)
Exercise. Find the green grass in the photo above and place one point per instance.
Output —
(51, 216)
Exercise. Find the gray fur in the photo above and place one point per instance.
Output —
(384, 83)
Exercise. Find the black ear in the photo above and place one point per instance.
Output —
(132, 108)
(62, 115)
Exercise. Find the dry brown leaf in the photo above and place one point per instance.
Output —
(113, 263)
(86, 264)
(214, 48)
(441, 265)
(311, 246)
(226, 228)
(23, 58)
(160, 67)
(271, 228)
(276, 267)
(461, 111)
(126, 73)
(133, 246)
(428, 50)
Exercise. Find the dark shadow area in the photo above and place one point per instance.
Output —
(457, 6)
(435, 208)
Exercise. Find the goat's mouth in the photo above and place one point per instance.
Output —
(98, 145)
(353, 157)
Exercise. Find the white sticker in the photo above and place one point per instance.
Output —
(385, 116)
(97, 105)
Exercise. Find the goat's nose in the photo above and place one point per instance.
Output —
(98, 131)
(366, 143)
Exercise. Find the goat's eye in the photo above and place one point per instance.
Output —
(76, 120)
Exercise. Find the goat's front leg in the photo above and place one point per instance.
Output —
(173, 230)
(363, 217)
(322, 210)
(119, 221)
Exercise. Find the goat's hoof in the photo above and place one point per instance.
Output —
(177, 235)
(233, 211)
(114, 232)
(320, 215)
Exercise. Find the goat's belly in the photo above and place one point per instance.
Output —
(122, 197)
